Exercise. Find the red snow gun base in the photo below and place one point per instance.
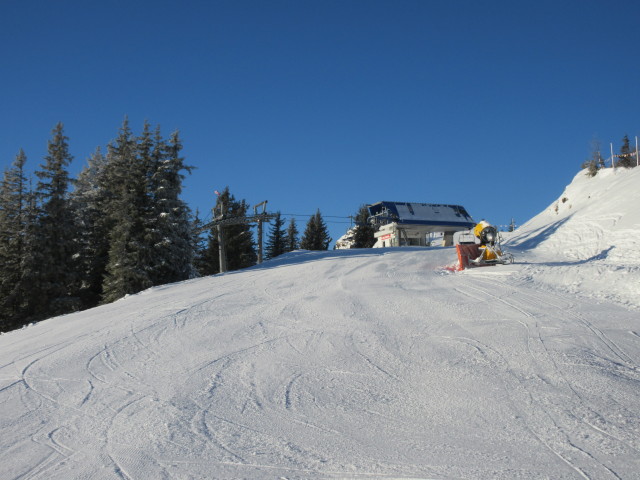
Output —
(466, 252)
(474, 255)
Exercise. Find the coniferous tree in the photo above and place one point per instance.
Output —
(150, 240)
(291, 239)
(13, 206)
(364, 232)
(198, 244)
(149, 154)
(173, 251)
(123, 228)
(209, 260)
(315, 236)
(276, 241)
(52, 267)
(31, 300)
(88, 200)
(626, 160)
(129, 209)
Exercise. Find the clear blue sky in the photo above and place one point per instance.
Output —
(333, 104)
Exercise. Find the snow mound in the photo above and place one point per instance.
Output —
(588, 241)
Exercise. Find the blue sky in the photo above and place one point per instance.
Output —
(332, 104)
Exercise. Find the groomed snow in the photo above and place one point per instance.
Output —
(349, 364)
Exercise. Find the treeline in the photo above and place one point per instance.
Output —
(118, 228)
(626, 157)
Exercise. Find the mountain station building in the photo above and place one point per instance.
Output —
(413, 224)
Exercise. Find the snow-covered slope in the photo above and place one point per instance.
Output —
(345, 364)
(588, 241)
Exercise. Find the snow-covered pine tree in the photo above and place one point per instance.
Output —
(129, 209)
(276, 240)
(315, 236)
(13, 206)
(173, 249)
(364, 232)
(88, 201)
(54, 271)
(31, 301)
(291, 240)
(198, 243)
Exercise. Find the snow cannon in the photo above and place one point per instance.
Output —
(481, 247)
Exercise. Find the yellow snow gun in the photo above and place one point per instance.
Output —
(483, 250)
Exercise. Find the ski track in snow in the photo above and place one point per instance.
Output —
(360, 365)
(564, 448)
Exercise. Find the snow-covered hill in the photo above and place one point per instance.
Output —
(588, 241)
(348, 364)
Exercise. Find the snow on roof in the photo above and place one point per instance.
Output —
(413, 213)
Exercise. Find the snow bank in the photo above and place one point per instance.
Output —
(588, 241)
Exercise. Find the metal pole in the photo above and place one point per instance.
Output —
(637, 158)
(613, 160)
(260, 220)
(222, 251)
(259, 241)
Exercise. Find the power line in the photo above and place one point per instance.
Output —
(340, 219)
(311, 215)
(307, 215)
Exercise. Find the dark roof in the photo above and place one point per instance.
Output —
(411, 213)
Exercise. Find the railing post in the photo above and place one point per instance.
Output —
(613, 159)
